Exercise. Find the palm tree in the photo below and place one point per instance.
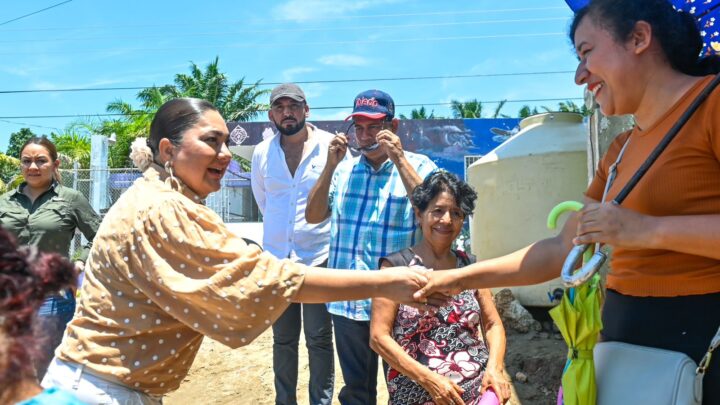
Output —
(526, 111)
(563, 106)
(499, 107)
(570, 106)
(132, 124)
(467, 109)
(236, 102)
(420, 114)
(73, 144)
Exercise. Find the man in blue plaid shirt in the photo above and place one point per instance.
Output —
(371, 216)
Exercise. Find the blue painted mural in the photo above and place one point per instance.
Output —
(446, 142)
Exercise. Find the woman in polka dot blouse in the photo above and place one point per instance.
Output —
(164, 271)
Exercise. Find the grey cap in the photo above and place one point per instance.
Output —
(290, 90)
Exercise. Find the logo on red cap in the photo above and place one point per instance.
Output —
(363, 101)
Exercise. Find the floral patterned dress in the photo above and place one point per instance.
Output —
(448, 343)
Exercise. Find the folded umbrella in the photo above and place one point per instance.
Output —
(579, 320)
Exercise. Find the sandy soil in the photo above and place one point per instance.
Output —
(244, 376)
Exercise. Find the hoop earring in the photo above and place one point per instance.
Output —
(171, 181)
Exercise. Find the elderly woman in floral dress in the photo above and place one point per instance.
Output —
(440, 357)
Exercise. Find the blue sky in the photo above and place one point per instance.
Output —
(96, 44)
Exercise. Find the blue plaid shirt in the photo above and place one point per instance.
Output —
(371, 217)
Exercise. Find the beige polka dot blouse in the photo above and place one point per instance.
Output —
(164, 271)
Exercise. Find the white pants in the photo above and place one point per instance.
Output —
(92, 389)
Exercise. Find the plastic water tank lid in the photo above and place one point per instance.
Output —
(566, 117)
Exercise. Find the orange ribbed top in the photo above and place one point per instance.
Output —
(685, 180)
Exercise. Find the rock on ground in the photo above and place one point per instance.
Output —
(514, 315)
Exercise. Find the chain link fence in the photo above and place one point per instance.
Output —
(234, 201)
(116, 181)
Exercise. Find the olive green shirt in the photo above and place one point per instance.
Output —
(50, 221)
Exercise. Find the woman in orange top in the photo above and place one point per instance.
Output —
(640, 57)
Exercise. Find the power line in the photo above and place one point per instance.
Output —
(25, 124)
(432, 77)
(386, 79)
(530, 100)
(536, 100)
(277, 20)
(293, 30)
(35, 12)
(295, 44)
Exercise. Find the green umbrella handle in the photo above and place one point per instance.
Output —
(559, 210)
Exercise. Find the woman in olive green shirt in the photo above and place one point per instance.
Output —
(44, 214)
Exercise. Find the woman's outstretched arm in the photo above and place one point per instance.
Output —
(327, 285)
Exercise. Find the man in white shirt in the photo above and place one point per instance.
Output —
(285, 167)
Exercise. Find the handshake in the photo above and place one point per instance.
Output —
(421, 288)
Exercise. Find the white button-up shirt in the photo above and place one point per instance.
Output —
(282, 198)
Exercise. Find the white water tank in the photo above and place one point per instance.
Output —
(518, 184)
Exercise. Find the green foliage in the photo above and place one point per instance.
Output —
(236, 101)
(467, 109)
(499, 107)
(242, 162)
(570, 106)
(526, 111)
(9, 171)
(17, 140)
(474, 109)
(133, 124)
(421, 114)
(563, 106)
(73, 144)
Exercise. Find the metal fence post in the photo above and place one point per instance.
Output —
(77, 243)
(76, 170)
(99, 173)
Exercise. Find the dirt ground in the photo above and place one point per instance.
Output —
(244, 376)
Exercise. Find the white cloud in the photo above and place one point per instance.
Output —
(552, 59)
(343, 60)
(18, 71)
(40, 64)
(133, 77)
(144, 79)
(289, 75)
(42, 84)
(313, 91)
(305, 10)
(454, 96)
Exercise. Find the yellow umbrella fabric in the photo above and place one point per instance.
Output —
(579, 320)
(580, 323)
